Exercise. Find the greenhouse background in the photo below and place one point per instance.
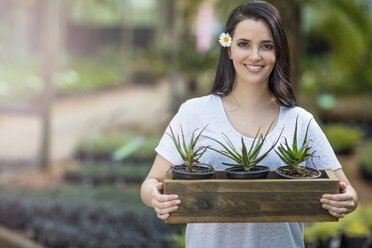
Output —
(87, 88)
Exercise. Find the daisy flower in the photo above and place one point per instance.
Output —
(225, 40)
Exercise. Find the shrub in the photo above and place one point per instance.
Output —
(356, 224)
(365, 162)
(342, 138)
(320, 231)
(108, 173)
(57, 221)
(102, 145)
(100, 71)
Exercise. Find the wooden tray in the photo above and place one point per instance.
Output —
(255, 200)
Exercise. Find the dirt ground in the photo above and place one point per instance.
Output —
(140, 107)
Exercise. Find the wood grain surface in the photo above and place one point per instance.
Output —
(253, 200)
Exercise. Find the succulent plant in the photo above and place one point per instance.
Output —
(188, 153)
(247, 158)
(294, 155)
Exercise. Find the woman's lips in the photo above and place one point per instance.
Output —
(254, 68)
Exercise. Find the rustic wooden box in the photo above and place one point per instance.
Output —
(259, 200)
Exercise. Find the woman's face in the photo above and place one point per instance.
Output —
(252, 52)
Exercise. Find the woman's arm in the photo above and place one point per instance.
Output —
(151, 189)
(343, 203)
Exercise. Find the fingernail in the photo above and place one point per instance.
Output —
(178, 202)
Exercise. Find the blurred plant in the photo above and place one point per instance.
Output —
(321, 230)
(103, 70)
(368, 218)
(147, 66)
(19, 81)
(108, 173)
(110, 12)
(338, 47)
(105, 143)
(354, 224)
(179, 239)
(75, 216)
(343, 138)
(365, 162)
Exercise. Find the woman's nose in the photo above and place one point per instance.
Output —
(254, 56)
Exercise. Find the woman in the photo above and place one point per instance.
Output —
(251, 89)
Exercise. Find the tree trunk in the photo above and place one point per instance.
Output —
(51, 16)
(174, 17)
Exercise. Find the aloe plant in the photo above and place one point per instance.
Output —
(294, 155)
(247, 158)
(188, 153)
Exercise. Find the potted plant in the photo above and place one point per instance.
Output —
(247, 159)
(293, 156)
(326, 233)
(192, 168)
(355, 229)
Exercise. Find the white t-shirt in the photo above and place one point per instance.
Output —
(209, 110)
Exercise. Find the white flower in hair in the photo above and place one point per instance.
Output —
(225, 40)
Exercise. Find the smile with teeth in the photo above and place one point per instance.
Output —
(254, 67)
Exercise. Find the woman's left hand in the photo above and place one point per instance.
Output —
(340, 204)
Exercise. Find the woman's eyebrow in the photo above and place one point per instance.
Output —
(262, 41)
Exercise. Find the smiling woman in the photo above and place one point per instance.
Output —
(252, 91)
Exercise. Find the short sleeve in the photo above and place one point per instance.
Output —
(166, 147)
(324, 156)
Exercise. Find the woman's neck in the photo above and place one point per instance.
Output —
(250, 96)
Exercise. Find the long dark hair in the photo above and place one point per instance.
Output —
(280, 78)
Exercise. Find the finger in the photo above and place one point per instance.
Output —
(346, 204)
(343, 187)
(163, 216)
(166, 204)
(338, 210)
(164, 198)
(161, 197)
(335, 214)
(159, 186)
(163, 211)
(337, 197)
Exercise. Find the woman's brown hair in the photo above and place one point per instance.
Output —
(279, 81)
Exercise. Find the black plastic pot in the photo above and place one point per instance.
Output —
(351, 242)
(178, 174)
(278, 171)
(256, 172)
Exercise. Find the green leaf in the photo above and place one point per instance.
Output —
(183, 141)
(307, 129)
(231, 145)
(294, 144)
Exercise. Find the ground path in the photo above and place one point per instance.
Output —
(144, 107)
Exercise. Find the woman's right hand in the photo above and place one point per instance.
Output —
(163, 204)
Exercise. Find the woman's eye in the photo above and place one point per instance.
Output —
(268, 47)
(243, 44)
